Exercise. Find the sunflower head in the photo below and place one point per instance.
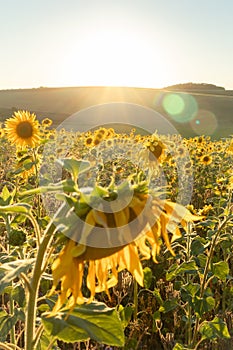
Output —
(206, 159)
(156, 148)
(22, 129)
(46, 122)
(105, 242)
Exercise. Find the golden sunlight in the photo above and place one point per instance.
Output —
(118, 57)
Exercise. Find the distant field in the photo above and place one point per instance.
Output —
(59, 103)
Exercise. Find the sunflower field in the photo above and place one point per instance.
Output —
(114, 240)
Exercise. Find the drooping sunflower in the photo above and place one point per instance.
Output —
(156, 147)
(23, 129)
(104, 243)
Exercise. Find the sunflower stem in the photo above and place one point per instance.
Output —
(37, 182)
(33, 291)
(204, 282)
(36, 227)
(11, 301)
(135, 299)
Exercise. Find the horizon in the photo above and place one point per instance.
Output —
(114, 86)
(151, 45)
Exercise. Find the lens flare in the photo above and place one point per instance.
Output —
(205, 123)
(181, 108)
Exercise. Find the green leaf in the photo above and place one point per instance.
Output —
(197, 246)
(3, 313)
(179, 346)
(75, 167)
(216, 328)
(189, 290)
(125, 314)
(171, 273)
(62, 186)
(201, 260)
(187, 267)
(168, 305)
(94, 320)
(18, 294)
(157, 315)
(220, 270)
(22, 208)
(176, 270)
(5, 194)
(147, 277)
(203, 305)
(7, 322)
(44, 343)
(158, 297)
(11, 270)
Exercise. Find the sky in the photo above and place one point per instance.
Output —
(146, 43)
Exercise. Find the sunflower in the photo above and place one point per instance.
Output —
(206, 159)
(230, 183)
(133, 233)
(96, 141)
(230, 148)
(46, 122)
(89, 141)
(156, 148)
(23, 129)
(181, 152)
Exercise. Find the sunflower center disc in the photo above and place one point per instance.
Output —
(24, 129)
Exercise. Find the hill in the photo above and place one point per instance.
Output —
(59, 103)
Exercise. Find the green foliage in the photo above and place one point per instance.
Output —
(125, 314)
(94, 320)
(75, 167)
(216, 328)
(187, 299)
(7, 322)
(221, 270)
(148, 276)
(9, 271)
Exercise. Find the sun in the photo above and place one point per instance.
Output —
(118, 57)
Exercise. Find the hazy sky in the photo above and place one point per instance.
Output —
(147, 43)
